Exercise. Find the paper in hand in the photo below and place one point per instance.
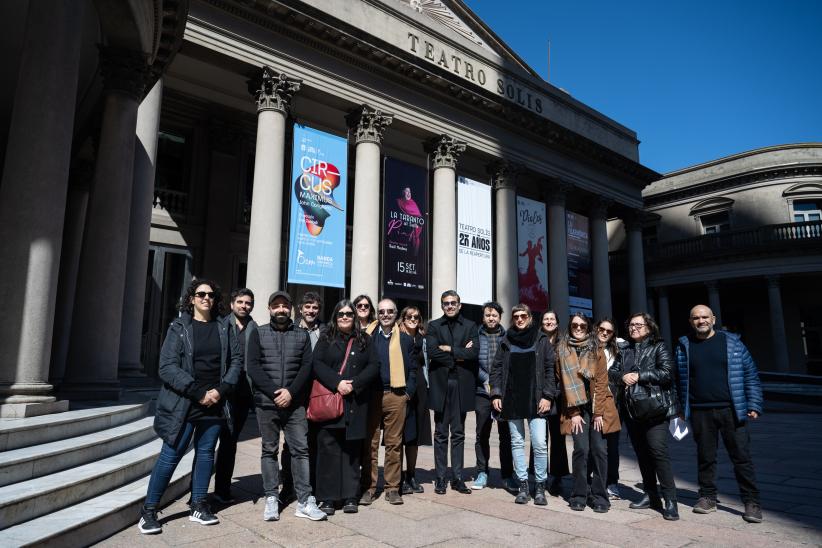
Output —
(678, 428)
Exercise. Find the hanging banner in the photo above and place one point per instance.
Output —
(474, 262)
(580, 284)
(405, 236)
(532, 249)
(316, 247)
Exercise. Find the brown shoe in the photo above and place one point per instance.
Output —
(393, 497)
(368, 497)
(753, 512)
(705, 505)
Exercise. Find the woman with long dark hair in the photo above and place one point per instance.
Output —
(558, 460)
(606, 337)
(366, 315)
(647, 369)
(417, 417)
(523, 388)
(588, 411)
(200, 363)
(340, 440)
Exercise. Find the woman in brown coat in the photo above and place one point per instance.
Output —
(588, 411)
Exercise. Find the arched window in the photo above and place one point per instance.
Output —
(804, 202)
(713, 215)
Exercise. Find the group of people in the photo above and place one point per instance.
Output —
(373, 374)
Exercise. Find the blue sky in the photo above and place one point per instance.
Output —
(696, 80)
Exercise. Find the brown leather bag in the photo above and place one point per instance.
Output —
(323, 404)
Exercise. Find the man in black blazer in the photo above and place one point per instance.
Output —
(453, 349)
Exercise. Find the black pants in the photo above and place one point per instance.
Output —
(241, 404)
(589, 444)
(482, 447)
(612, 445)
(650, 441)
(338, 465)
(707, 425)
(450, 419)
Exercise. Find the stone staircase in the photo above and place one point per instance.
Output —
(74, 478)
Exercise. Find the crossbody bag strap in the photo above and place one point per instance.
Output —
(347, 352)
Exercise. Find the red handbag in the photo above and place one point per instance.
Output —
(323, 404)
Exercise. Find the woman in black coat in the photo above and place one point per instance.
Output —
(339, 441)
(647, 367)
(200, 363)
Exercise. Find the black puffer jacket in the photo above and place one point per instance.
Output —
(279, 359)
(177, 374)
(545, 384)
(655, 365)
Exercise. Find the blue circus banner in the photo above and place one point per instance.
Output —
(316, 248)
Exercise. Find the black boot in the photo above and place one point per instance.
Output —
(522, 494)
(539, 494)
(670, 511)
(647, 501)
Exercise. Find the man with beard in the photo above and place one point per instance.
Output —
(279, 363)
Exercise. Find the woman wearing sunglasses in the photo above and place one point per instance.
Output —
(523, 388)
(588, 411)
(647, 368)
(612, 346)
(200, 363)
(366, 315)
(417, 416)
(340, 440)
(559, 454)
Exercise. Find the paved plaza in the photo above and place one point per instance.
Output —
(787, 444)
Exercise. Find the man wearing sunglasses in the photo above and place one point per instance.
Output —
(398, 375)
(453, 350)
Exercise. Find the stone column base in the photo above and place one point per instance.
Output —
(23, 410)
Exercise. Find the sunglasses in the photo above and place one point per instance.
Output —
(579, 325)
(345, 314)
(363, 306)
(521, 316)
(446, 304)
(413, 317)
(204, 294)
(606, 331)
(384, 312)
(637, 325)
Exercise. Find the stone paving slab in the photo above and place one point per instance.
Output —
(786, 457)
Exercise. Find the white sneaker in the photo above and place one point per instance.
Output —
(613, 492)
(310, 510)
(272, 509)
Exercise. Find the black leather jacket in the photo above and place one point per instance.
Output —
(655, 365)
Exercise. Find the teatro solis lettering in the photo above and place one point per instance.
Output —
(466, 69)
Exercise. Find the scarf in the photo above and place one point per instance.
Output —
(523, 338)
(396, 364)
(576, 369)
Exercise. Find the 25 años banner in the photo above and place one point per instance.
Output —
(474, 263)
(316, 249)
(533, 254)
(405, 236)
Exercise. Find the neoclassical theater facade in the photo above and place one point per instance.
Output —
(146, 142)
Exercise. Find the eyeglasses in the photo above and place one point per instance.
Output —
(384, 312)
(446, 304)
(575, 325)
(412, 317)
(606, 331)
(521, 316)
(204, 294)
(636, 325)
(363, 306)
(345, 314)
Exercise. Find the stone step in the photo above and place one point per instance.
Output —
(36, 497)
(17, 433)
(47, 458)
(95, 519)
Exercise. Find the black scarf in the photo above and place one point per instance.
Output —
(523, 338)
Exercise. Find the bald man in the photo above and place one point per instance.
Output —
(719, 390)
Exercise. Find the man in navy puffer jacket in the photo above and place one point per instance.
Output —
(719, 390)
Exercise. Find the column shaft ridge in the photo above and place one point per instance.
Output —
(273, 90)
(369, 123)
(445, 151)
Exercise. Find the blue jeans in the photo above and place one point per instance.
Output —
(205, 434)
(539, 444)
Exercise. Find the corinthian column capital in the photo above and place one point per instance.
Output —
(504, 174)
(556, 192)
(124, 71)
(445, 151)
(599, 207)
(369, 123)
(273, 90)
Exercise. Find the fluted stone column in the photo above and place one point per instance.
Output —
(444, 151)
(503, 177)
(714, 301)
(558, 250)
(94, 350)
(599, 258)
(665, 315)
(142, 197)
(33, 196)
(368, 125)
(636, 262)
(781, 358)
(273, 93)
